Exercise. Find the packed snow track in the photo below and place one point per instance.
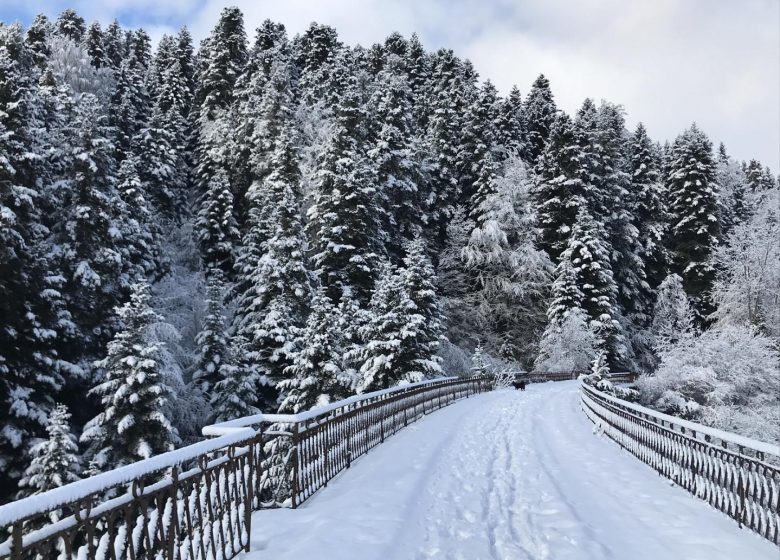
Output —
(504, 475)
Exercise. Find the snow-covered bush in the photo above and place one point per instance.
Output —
(727, 377)
(672, 314)
(568, 345)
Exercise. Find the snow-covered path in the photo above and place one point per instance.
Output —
(505, 475)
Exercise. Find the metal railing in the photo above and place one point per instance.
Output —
(736, 475)
(195, 503)
(307, 450)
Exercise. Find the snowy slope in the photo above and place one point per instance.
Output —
(503, 475)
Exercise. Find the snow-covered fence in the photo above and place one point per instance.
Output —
(736, 475)
(306, 450)
(193, 503)
(543, 376)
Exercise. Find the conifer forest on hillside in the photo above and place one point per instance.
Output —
(266, 222)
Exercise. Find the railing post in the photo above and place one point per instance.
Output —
(174, 514)
(294, 469)
(250, 487)
(16, 542)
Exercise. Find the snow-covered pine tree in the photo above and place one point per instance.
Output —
(133, 422)
(54, 461)
(212, 339)
(344, 219)
(37, 39)
(693, 206)
(86, 245)
(222, 57)
(479, 155)
(390, 350)
(94, 45)
(316, 376)
(539, 115)
(650, 205)
(509, 276)
(235, 394)
(568, 344)
(29, 373)
(673, 318)
(394, 151)
(510, 127)
(734, 202)
(216, 223)
(559, 189)
(420, 280)
(114, 45)
(129, 106)
(71, 25)
(587, 277)
(479, 362)
(315, 53)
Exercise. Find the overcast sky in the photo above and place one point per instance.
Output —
(668, 62)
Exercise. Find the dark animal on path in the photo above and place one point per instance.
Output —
(518, 384)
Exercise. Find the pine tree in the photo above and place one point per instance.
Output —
(560, 191)
(394, 152)
(315, 376)
(235, 394)
(509, 277)
(479, 155)
(133, 422)
(55, 460)
(69, 24)
(650, 209)
(216, 224)
(511, 132)
(344, 221)
(223, 55)
(212, 340)
(390, 351)
(129, 107)
(113, 45)
(539, 114)
(673, 316)
(29, 373)
(94, 45)
(584, 280)
(37, 39)
(693, 207)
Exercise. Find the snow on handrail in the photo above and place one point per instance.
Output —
(53, 499)
(721, 435)
(227, 427)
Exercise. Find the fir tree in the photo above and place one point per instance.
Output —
(94, 45)
(510, 128)
(315, 376)
(37, 39)
(539, 113)
(69, 24)
(693, 207)
(133, 422)
(344, 221)
(212, 340)
(235, 394)
(55, 460)
(216, 224)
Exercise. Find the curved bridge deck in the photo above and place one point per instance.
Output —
(505, 475)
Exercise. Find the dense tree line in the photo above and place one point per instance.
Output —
(285, 223)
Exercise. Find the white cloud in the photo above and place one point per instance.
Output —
(669, 62)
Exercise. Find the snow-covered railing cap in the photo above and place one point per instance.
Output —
(265, 418)
(53, 499)
(693, 427)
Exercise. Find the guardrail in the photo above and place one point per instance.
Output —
(736, 475)
(195, 503)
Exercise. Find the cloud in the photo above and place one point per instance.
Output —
(669, 62)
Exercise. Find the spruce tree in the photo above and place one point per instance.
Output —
(539, 113)
(69, 24)
(560, 191)
(511, 132)
(55, 460)
(212, 339)
(316, 376)
(37, 39)
(94, 46)
(235, 393)
(694, 230)
(344, 221)
(216, 224)
(134, 395)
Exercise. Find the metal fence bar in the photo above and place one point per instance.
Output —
(742, 481)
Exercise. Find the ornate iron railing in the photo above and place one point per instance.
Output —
(192, 503)
(195, 503)
(736, 475)
(307, 450)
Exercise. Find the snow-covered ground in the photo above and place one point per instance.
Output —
(506, 475)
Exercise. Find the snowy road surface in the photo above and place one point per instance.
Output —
(506, 475)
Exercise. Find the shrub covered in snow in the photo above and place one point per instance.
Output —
(568, 345)
(727, 378)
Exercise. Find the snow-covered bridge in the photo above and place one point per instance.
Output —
(508, 475)
(501, 474)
